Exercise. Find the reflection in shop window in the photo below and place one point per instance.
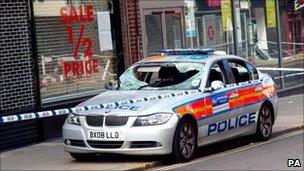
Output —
(74, 44)
(213, 25)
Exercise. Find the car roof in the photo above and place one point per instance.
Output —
(187, 55)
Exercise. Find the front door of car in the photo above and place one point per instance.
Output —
(248, 89)
(220, 103)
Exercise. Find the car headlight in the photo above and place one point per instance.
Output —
(154, 119)
(73, 119)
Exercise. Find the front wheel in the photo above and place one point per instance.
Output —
(185, 141)
(265, 122)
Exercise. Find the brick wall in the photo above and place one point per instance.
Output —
(131, 31)
(16, 65)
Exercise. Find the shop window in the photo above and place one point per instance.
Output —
(74, 47)
(154, 32)
(212, 25)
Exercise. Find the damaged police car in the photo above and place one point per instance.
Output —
(172, 103)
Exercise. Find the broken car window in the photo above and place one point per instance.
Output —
(161, 76)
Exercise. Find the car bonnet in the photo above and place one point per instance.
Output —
(134, 108)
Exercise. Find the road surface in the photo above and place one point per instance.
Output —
(272, 155)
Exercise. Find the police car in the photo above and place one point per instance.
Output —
(172, 103)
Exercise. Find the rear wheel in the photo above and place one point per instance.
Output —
(82, 157)
(185, 141)
(265, 122)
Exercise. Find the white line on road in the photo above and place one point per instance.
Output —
(247, 147)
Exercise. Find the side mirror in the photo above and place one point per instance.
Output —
(216, 85)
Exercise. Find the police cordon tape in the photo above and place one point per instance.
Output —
(281, 69)
(50, 113)
(289, 75)
(301, 70)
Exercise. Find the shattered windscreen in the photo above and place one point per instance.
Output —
(161, 76)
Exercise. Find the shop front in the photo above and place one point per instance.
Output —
(54, 54)
(74, 48)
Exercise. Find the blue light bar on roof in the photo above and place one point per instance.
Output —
(187, 51)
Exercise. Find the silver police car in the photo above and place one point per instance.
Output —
(173, 102)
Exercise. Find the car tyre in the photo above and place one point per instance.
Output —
(185, 141)
(82, 157)
(265, 123)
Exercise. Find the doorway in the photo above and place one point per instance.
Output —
(162, 30)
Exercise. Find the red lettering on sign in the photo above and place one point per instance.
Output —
(66, 69)
(70, 15)
(88, 65)
(95, 65)
(80, 68)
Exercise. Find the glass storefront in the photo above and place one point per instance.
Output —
(292, 26)
(213, 21)
(163, 29)
(247, 28)
(74, 46)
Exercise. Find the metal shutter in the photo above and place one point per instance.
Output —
(17, 92)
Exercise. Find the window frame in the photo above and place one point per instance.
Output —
(222, 68)
(243, 64)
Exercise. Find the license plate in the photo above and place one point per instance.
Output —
(103, 135)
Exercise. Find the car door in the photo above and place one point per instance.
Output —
(223, 106)
(248, 90)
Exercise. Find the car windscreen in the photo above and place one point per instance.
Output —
(161, 76)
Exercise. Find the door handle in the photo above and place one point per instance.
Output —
(258, 88)
(233, 96)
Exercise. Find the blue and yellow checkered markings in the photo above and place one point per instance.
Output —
(192, 57)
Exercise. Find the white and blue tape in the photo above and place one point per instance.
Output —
(51, 113)
(281, 69)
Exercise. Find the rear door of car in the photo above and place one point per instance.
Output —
(249, 88)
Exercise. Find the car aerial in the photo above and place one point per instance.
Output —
(172, 103)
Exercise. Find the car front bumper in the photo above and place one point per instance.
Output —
(158, 138)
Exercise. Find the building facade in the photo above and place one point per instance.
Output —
(54, 53)
(57, 53)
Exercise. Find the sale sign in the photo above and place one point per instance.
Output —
(78, 68)
(78, 15)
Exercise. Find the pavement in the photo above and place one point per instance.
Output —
(50, 154)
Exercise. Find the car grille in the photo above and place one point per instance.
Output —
(95, 120)
(105, 144)
(116, 120)
(109, 120)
